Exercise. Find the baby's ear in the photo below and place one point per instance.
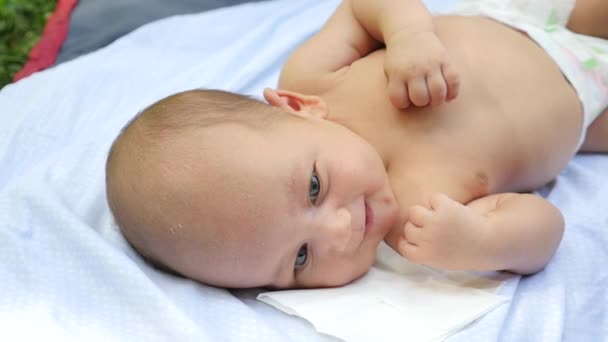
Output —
(297, 103)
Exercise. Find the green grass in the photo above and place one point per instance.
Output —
(21, 24)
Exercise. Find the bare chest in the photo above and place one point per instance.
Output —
(507, 131)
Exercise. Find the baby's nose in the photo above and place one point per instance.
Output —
(337, 229)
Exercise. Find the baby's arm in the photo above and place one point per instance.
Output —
(317, 63)
(416, 63)
(515, 232)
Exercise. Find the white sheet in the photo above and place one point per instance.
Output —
(67, 274)
(393, 297)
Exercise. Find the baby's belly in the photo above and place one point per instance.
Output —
(530, 111)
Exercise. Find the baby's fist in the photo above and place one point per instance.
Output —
(419, 71)
(445, 234)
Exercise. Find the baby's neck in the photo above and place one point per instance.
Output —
(369, 130)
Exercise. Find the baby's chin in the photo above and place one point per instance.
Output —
(368, 263)
(362, 273)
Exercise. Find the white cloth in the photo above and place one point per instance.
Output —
(395, 301)
(66, 273)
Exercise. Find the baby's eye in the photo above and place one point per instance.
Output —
(302, 257)
(315, 187)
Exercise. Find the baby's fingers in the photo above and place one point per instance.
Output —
(409, 251)
(412, 233)
(418, 215)
(398, 94)
(437, 87)
(418, 91)
(452, 80)
(439, 201)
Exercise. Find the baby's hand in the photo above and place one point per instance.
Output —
(446, 235)
(419, 71)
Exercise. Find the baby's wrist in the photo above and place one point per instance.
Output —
(405, 35)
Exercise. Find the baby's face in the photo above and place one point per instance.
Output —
(307, 204)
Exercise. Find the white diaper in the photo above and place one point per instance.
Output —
(582, 59)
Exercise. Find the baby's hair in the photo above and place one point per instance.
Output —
(188, 110)
(192, 109)
(201, 108)
(148, 134)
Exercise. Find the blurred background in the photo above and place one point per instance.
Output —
(77, 27)
(21, 24)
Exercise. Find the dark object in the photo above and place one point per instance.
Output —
(97, 23)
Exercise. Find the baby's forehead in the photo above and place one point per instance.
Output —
(241, 167)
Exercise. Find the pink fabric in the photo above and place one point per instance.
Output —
(45, 52)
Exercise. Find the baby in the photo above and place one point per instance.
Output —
(425, 132)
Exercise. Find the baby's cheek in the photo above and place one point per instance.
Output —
(352, 269)
(364, 266)
(368, 257)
